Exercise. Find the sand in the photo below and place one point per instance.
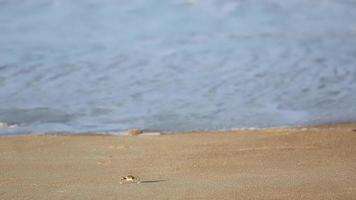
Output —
(301, 163)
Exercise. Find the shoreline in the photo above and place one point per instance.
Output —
(275, 163)
(125, 133)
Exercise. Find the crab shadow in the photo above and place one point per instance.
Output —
(153, 181)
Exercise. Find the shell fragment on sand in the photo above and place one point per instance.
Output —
(130, 179)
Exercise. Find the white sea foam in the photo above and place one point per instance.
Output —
(91, 65)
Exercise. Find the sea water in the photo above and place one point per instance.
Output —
(175, 65)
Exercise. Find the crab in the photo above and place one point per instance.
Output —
(134, 132)
(130, 179)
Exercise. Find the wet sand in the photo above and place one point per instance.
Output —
(301, 163)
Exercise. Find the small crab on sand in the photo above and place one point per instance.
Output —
(134, 132)
(130, 179)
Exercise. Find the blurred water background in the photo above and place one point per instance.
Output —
(175, 65)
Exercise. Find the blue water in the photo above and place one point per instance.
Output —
(179, 65)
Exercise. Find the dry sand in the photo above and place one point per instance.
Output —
(302, 163)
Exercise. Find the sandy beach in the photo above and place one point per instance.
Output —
(291, 163)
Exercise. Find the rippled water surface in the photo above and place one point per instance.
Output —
(110, 65)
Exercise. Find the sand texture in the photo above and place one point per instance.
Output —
(302, 163)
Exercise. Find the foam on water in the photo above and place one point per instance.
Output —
(177, 65)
